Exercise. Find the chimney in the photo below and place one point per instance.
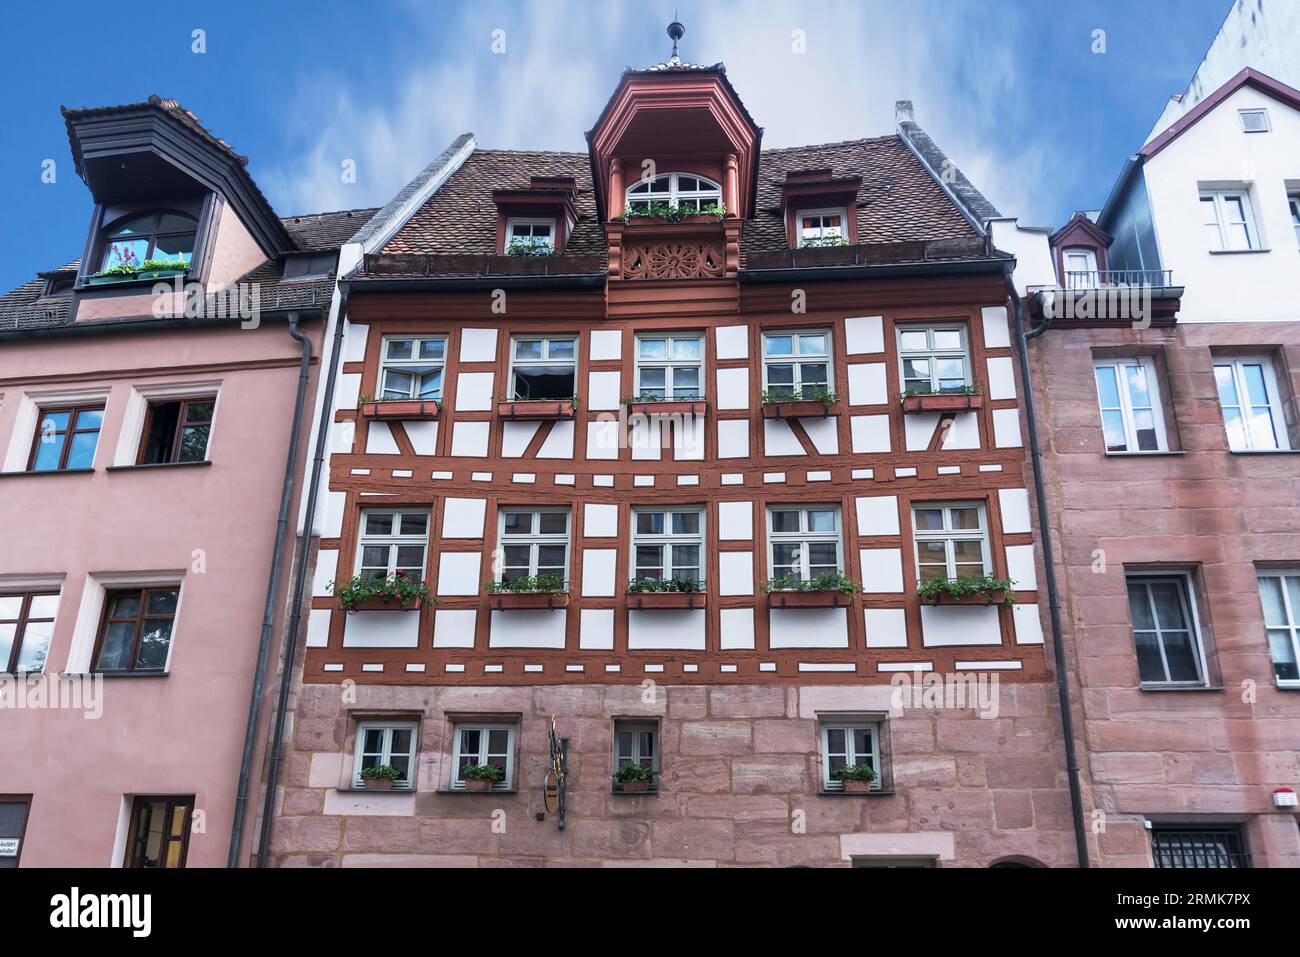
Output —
(903, 111)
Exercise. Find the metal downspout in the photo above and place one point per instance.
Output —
(272, 589)
(276, 758)
(1053, 596)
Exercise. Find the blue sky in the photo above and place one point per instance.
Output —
(1011, 89)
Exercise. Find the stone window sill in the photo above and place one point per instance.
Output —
(1145, 455)
(1166, 688)
(157, 465)
(489, 793)
(881, 792)
(47, 472)
(406, 790)
(1264, 451)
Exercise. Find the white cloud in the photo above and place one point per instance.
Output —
(957, 61)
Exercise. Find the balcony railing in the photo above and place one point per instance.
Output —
(1101, 278)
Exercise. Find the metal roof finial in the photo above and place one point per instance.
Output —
(675, 30)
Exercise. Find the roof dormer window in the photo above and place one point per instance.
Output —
(685, 191)
(529, 237)
(823, 227)
(158, 237)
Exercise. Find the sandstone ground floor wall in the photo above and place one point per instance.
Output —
(740, 780)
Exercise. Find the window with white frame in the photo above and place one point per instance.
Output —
(688, 192)
(1279, 593)
(530, 235)
(951, 540)
(1080, 267)
(385, 743)
(392, 541)
(534, 542)
(1229, 220)
(636, 742)
(480, 744)
(543, 367)
(1166, 630)
(934, 358)
(668, 543)
(1254, 121)
(1129, 396)
(1251, 403)
(796, 365)
(849, 742)
(669, 367)
(823, 226)
(803, 542)
(1293, 204)
(411, 367)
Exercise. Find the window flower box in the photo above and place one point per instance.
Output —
(481, 777)
(145, 275)
(408, 409)
(666, 599)
(693, 407)
(944, 402)
(538, 591)
(798, 409)
(809, 599)
(994, 597)
(397, 592)
(537, 409)
(387, 604)
(985, 590)
(380, 778)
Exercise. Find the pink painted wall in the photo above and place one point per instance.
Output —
(183, 733)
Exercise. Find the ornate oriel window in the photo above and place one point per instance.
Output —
(686, 191)
(163, 235)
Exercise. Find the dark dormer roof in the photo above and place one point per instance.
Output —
(160, 129)
(315, 232)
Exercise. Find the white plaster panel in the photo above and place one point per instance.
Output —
(1002, 378)
(918, 429)
(602, 391)
(877, 515)
(867, 383)
(964, 433)
(736, 628)
(454, 627)
(348, 391)
(318, 627)
(1021, 568)
(559, 444)
(864, 334)
(1006, 428)
(735, 573)
(886, 627)
(515, 437)
(474, 391)
(354, 338)
(602, 439)
(469, 438)
(882, 570)
(778, 439)
(824, 434)
(666, 628)
(735, 521)
(458, 573)
(606, 344)
(528, 628)
(598, 572)
(732, 342)
(733, 389)
(596, 629)
(870, 433)
(332, 520)
(1028, 624)
(463, 517)
(599, 521)
(733, 439)
(688, 439)
(382, 629)
(327, 565)
(478, 345)
(996, 334)
(1014, 505)
(948, 625)
(809, 628)
(647, 438)
(423, 436)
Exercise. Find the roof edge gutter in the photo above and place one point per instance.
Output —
(432, 284)
(100, 327)
(874, 271)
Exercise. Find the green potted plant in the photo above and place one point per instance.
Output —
(544, 590)
(782, 402)
(397, 591)
(923, 399)
(674, 592)
(381, 777)
(856, 778)
(709, 213)
(529, 246)
(634, 777)
(481, 777)
(967, 590)
(828, 588)
(149, 269)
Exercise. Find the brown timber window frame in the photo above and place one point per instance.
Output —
(163, 618)
(173, 838)
(74, 428)
(169, 446)
(15, 809)
(21, 620)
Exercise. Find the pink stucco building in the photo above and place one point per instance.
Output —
(144, 430)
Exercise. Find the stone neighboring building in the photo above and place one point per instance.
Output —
(1174, 489)
(567, 380)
